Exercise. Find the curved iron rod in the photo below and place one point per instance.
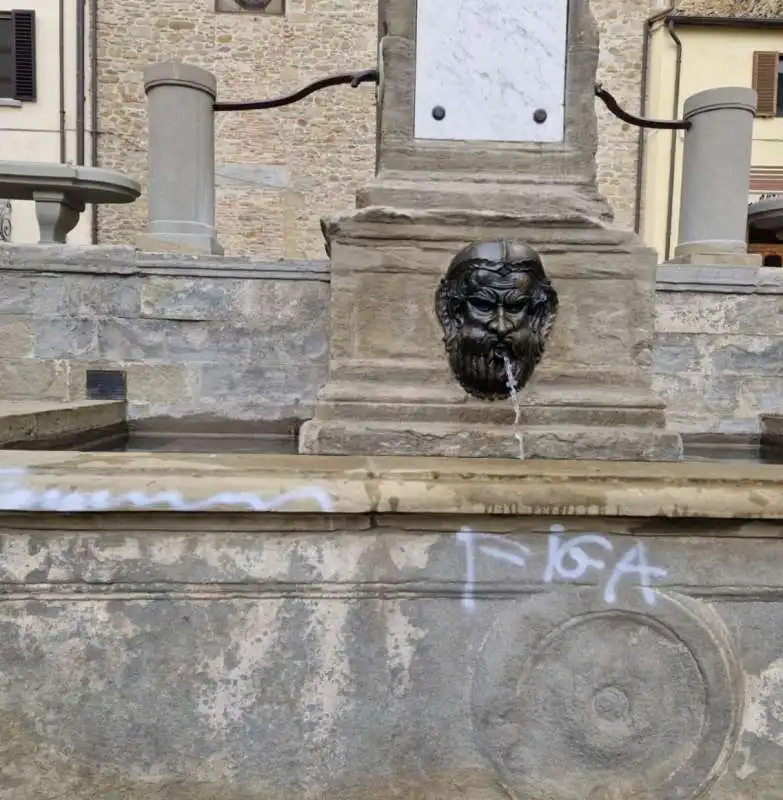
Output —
(640, 122)
(354, 79)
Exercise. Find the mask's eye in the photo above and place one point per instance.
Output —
(481, 304)
(516, 308)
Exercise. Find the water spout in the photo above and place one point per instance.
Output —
(512, 387)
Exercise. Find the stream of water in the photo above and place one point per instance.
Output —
(512, 387)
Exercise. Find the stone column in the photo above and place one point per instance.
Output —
(181, 181)
(716, 177)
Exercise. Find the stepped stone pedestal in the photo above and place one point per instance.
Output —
(390, 390)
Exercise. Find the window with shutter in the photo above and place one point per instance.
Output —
(766, 77)
(24, 55)
(6, 56)
(17, 55)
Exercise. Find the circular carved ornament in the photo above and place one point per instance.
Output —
(574, 700)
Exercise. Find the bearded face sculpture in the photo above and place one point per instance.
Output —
(495, 305)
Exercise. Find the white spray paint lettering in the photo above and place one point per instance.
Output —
(16, 496)
(566, 559)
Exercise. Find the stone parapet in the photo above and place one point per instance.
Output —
(718, 354)
(243, 627)
(231, 337)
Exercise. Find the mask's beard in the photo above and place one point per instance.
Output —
(476, 358)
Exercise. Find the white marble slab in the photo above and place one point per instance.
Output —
(491, 64)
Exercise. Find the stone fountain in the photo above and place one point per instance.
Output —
(455, 168)
(365, 625)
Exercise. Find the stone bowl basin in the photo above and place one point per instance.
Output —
(61, 192)
(767, 215)
(22, 180)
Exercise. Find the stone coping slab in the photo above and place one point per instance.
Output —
(21, 180)
(127, 260)
(26, 421)
(719, 280)
(118, 482)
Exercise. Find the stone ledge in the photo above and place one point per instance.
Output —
(29, 423)
(127, 260)
(719, 280)
(118, 482)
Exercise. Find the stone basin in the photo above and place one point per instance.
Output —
(246, 626)
(61, 192)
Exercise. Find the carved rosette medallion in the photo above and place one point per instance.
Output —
(5, 221)
(575, 700)
(496, 307)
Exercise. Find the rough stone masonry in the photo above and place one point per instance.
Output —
(230, 337)
(280, 172)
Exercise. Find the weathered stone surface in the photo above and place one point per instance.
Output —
(697, 402)
(447, 608)
(675, 354)
(66, 337)
(33, 422)
(33, 379)
(719, 350)
(16, 296)
(85, 296)
(271, 390)
(188, 299)
(271, 303)
(366, 437)
(176, 341)
(747, 355)
(188, 337)
(17, 338)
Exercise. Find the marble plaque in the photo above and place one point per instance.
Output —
(487, 69)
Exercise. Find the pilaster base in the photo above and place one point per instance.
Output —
(338, 437)
(390, 390)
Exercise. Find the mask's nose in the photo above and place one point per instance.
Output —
(500, 324)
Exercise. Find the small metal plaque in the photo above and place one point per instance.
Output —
(106, 384)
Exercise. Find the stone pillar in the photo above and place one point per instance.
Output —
(181, 181)
(716, 177)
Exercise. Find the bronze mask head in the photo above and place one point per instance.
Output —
(495, 303)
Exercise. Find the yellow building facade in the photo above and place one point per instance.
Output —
(688, 55)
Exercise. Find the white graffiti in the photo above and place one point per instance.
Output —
(566, 560)
(17, 495)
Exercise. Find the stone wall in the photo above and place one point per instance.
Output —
(718, 357)
(231, 338)
(731, 8)
(280, 171)
(247, 339)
